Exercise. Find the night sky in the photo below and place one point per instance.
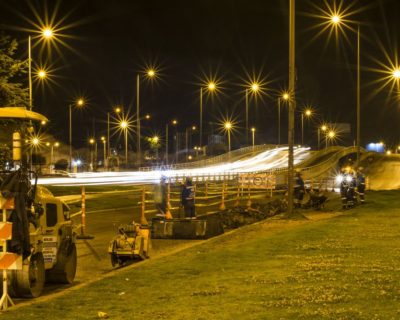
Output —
(109, 42)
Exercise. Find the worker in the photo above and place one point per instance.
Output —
(299, 190)
(361, 184)
(160, 197)
(344, 186)
(351, 194)
(187, 199)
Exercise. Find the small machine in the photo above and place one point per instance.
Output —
(132, 243)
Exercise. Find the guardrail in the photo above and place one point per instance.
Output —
(214, 160)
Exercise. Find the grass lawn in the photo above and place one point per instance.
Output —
(344, 267)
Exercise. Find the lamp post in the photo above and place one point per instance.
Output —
(211, 86)
(117, 110)
(173, 122)
(323, 128)
(52, 145)
(228, 127)
(79, 103)
(331, 135)
(151, 73)
(284, 97)
(47, 34)
(192, 128)
(124, 125)
(307, 112)
(254, 89)
(253, 131)
(336, 20)
(103, 139)
(292, 104)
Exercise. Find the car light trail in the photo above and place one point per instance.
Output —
(264, 161)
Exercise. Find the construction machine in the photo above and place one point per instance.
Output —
(43, 235)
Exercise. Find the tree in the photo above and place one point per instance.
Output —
(12, 91)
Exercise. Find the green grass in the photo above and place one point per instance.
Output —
(345, 267)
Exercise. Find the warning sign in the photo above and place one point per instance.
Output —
(257, 181)
(50, 249)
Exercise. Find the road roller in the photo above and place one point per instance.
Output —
(43, 235)
(132, 243)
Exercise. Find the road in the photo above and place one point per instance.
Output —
(263, 161)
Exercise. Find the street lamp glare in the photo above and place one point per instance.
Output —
(324, 127)
(47, 33)
(308, 112)
(331, 134)
(91, 141)
(35, 141)
(80, 102)
(253, 129)
(228, 125)
(285, 96)
(194, 128)
(255, 87)
(151, 73)
(335, 19)
(155, 139)
(124, 124)
(174, 122)
(57, 144)
(396, 74)
(42, 74)
(211, 86)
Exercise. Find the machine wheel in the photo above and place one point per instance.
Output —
(65, 269)
(114, 260)
(29, 281)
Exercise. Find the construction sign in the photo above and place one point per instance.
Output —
(257, 181)
(5, 230)
(10, 261)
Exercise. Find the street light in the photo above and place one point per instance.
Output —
(103, 139)
(52, 145)
(93, 159)
(47, 33)
(211, 87)
(253, 131)
(322, 128)
(254, 87)
(174, 123)
(78, 103)
(228, 128)
(336, 21)
(308, 113)
(331, 135)
(124, 125)
(151, 73)
(117, 110)
(284, 97)
(192, 128)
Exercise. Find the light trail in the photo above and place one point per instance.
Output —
(264, 161)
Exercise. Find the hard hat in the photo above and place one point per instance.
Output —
(360, 168)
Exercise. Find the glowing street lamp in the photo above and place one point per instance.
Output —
(228, 128)
(79, 103)
(330, 135)
(174, 123)
(211, 87)
(124, 125)
(151, 73)
(307, 113)
(103, 139)
(192, 128)
(47, 34)
(117, 110)
(254, 88)
(253, 131)
(285, 98)
(323, 129)
(336, 21)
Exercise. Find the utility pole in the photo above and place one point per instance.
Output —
(292, 104)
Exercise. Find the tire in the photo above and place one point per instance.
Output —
(28, 282)
(65, 269)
